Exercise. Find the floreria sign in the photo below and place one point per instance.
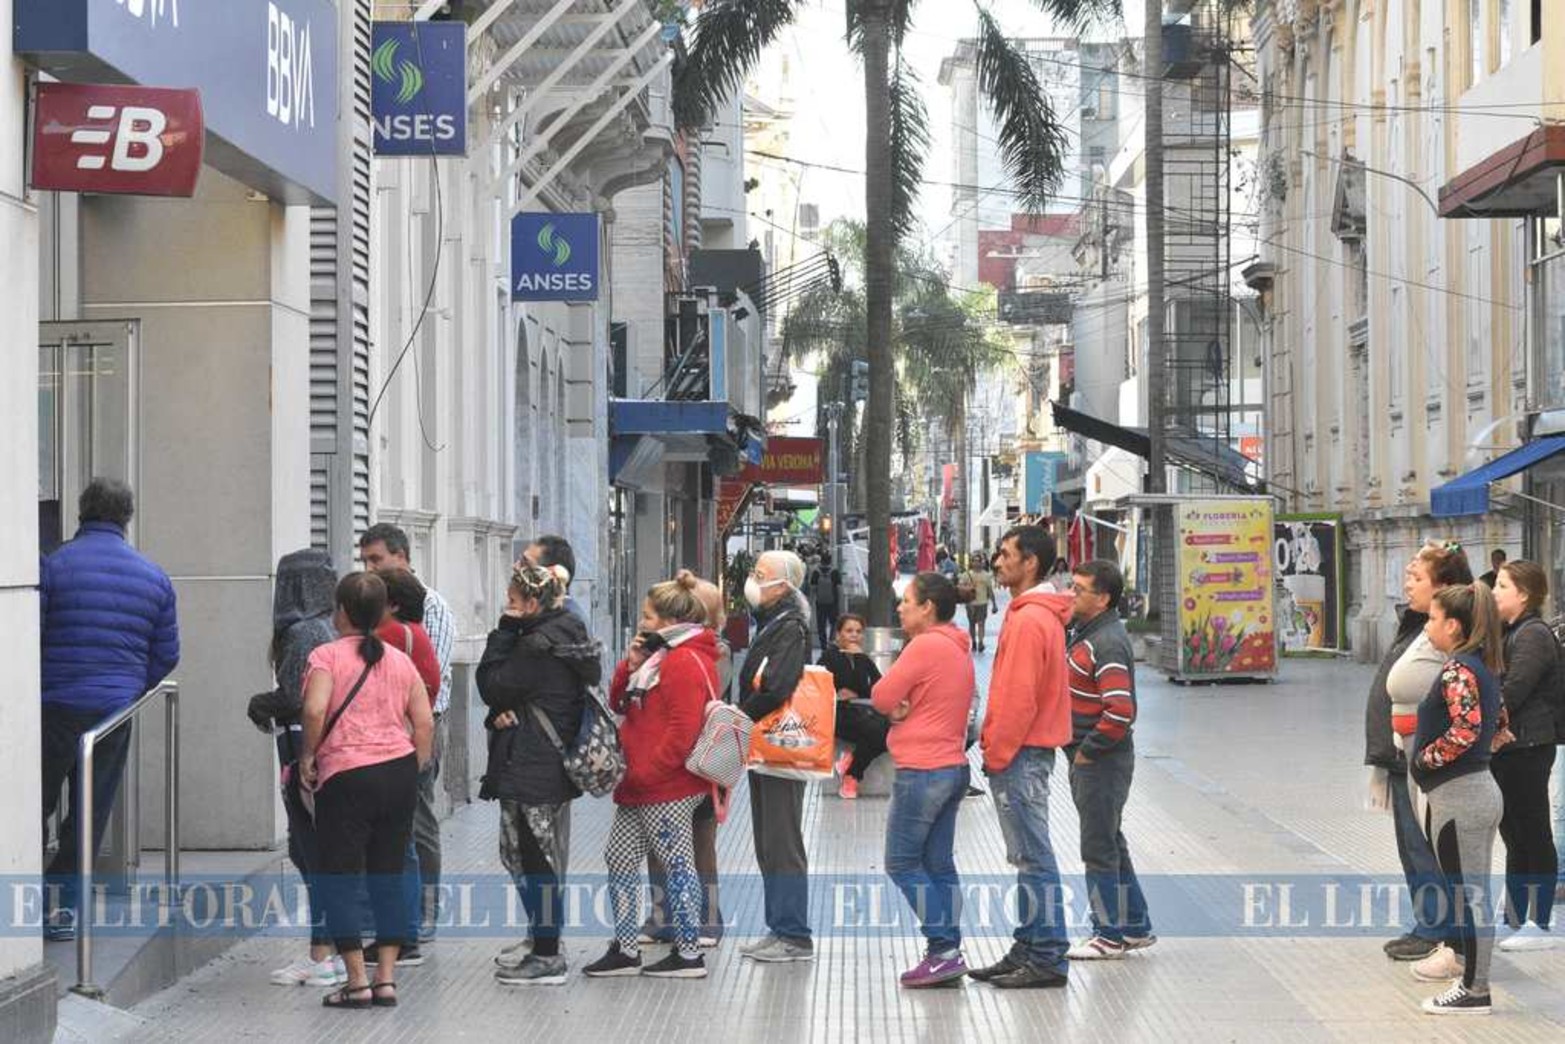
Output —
(554, 257)
(418, 100)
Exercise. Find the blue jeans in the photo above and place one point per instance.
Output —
(1100, 789)
(412, 893)
(1425, 883)
(1021, 797)
(920, 835)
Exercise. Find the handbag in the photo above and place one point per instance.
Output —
(722, 750)
(594, 761)
(966, 590)
(305, 794)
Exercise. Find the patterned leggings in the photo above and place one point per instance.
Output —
(666, 830)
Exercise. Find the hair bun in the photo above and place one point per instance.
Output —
(686, 579)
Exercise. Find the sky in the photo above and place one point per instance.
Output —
(829, 125)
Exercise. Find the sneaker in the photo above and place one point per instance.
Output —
(707, 942)
(1029, 977)
(849, 790)
(1140, 942)
(533, 970)
(1097, 948)
(1410, 947)
(1004, 966)
(1441, 966)
(1458, 1000)
(513, 955)
(844, 762)
(676, 967)
(774, 949)
(1528, 937)
(613, 963)
(410, 957)
(305, 972)
(426, 932)
(935, 970)
(60, 926)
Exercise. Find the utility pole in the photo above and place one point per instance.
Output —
(833, 478)
(1157, 397)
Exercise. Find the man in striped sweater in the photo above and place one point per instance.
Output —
(1102, 761)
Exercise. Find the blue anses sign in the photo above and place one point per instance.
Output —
(418, 98)
(266, 69)
(554, 257)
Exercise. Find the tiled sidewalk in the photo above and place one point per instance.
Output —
(1246, 780)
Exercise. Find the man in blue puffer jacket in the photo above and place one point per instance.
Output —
(110, 633)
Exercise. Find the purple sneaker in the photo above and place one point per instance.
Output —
(935, 970)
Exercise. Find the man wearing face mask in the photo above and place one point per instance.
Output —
(770, 673)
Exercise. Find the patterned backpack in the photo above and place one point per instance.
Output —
(594, 761)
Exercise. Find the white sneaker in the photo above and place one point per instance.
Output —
(305, 972)
(1441, 966)
(1097, 948)
(512, 956)
(1528, 937)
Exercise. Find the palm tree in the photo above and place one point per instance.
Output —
(725, 40)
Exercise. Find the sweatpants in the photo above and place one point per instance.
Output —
(777, 828)
(1464, 815)
(364, 818)
(1527, 828)
(533, 843)
(666, 828)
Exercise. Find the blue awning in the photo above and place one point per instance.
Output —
(1469, 494)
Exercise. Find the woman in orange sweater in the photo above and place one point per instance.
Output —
(927, 694)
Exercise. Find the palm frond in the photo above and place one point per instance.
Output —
(901, 17)
(725, 41)
(909, 145)
(1032, 142)
(1078, 14)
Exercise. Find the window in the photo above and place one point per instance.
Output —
(1475, 40)
(1537, 22)
(1505, 33)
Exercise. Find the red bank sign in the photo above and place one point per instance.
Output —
(141, 141)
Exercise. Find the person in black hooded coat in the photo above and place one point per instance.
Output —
(539, 659)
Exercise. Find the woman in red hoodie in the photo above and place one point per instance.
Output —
(927, 694)
(662, 688)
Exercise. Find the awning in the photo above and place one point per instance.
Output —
(1521, 180)
(647, 433)
(1186, 449)
(1469, 494)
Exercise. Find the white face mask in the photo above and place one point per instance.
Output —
(753, 589)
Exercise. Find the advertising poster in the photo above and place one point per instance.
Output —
(1226, 620)
(1307, 554)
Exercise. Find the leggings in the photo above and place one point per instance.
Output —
(533, 839)
(1464, 814)
(1527, 828)
(666, 828)
(364, 818)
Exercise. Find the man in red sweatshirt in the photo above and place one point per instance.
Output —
(1027, 718)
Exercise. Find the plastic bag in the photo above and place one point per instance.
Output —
(796, 741)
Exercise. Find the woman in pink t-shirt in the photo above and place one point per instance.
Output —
(367, 731)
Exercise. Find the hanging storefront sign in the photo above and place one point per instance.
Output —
(141, 141)
(789, 462)
(554, 257)
(1227, 626)
(418, 94)
(733, 495)
(1307, 553)
(266, 70)
(1039, 473)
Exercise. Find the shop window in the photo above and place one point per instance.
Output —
(1536, 21)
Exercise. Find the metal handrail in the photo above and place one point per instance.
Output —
(87, 850)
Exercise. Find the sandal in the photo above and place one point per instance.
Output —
(344, 998)
(381, 1001)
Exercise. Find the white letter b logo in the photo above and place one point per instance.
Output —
(142, 127)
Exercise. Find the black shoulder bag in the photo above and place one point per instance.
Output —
(306, 797)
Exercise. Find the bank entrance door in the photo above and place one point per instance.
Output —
(87, 395)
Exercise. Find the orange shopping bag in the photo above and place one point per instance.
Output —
(796, 741)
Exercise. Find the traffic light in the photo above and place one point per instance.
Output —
(860, 382)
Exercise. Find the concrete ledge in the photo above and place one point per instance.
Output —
(27, 1005)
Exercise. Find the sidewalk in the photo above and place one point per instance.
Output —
(1237, 780)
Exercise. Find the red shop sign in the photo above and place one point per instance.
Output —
(141, 141)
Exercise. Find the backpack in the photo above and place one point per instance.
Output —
(594, 761)
(1557, 697)
(722, 750)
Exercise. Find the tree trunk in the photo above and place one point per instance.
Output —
(880, 245)
(961, 542)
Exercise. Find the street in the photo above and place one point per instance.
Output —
(1245, 816)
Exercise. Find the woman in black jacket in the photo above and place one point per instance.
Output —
(539, 660)
(1524, 755)
(854, 674)
(771, 671)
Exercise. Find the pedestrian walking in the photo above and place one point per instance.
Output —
(1524, 755)
(825, 585)
(975, 587)
(661, 687)
(1101, 761)
(1026, 719)
(302, 601)
(771, 671)
(538, 662)
(1457, 723)
(109, 632)
(384, 546)
(1391, 719)
(927, 694)
(368, 729)
(854, 675)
